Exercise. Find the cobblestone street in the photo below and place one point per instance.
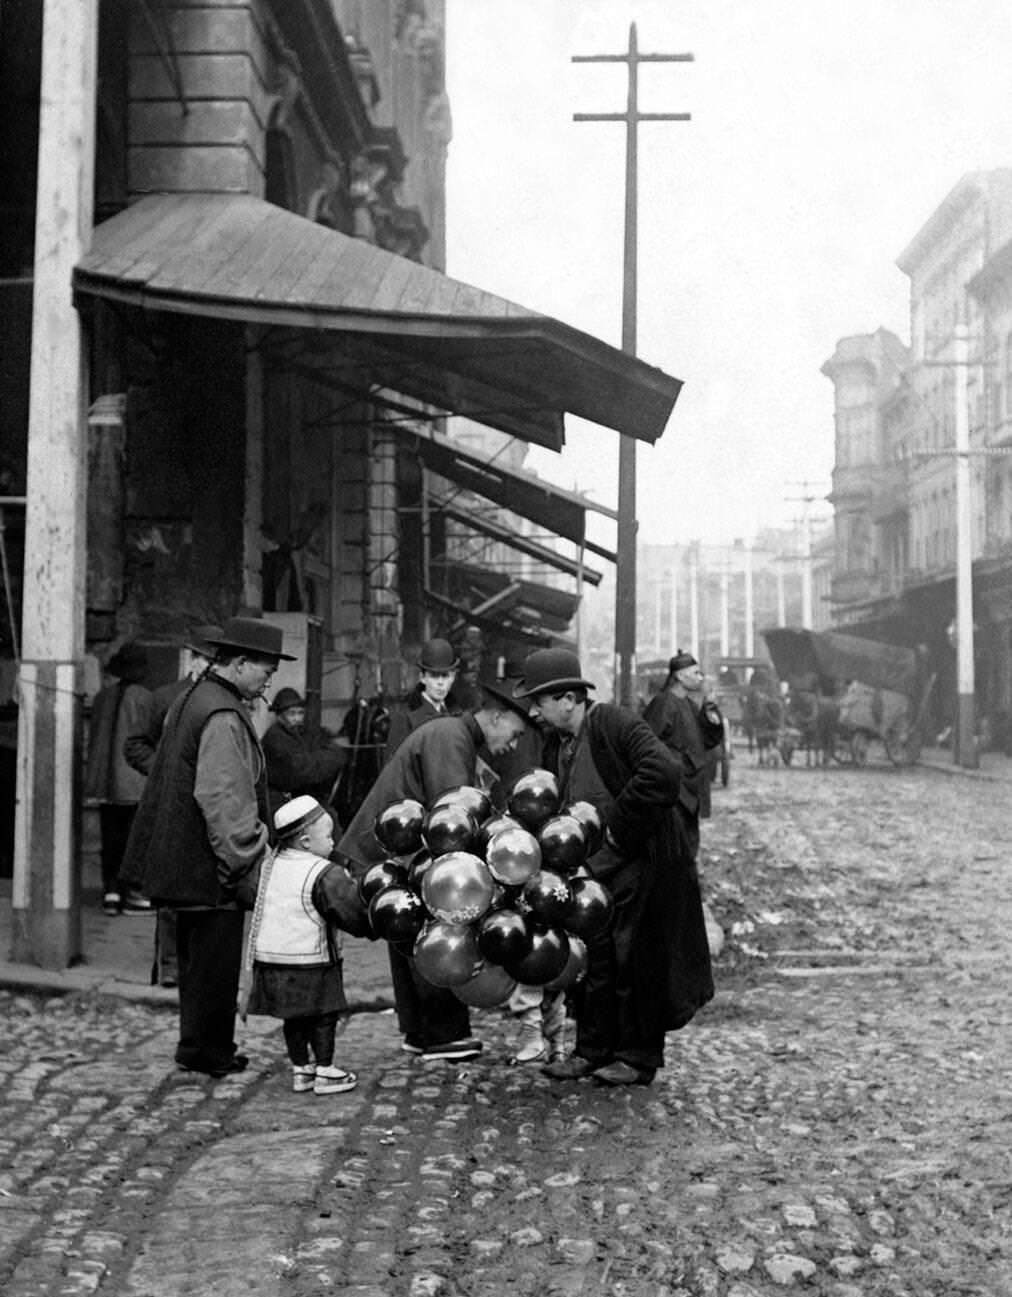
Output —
(837, 1122)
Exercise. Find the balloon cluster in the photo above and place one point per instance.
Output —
(482, 901)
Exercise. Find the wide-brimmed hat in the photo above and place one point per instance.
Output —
(549, 671)
(286, 698)
(199, 639)
(293, 816)
(500, 692)
(251, 635)
(438, 655)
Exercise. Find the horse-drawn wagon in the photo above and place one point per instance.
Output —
(847, 692)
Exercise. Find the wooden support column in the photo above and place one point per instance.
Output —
(46, 905)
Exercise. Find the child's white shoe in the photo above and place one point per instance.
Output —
(303, 1077)
(334, 1080)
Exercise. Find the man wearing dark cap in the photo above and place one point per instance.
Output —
(650, 971)
(437, 670)
(199, 839)
(139, 750)
(109, 779)
(435, 757)
(690, 724)
(302, 760)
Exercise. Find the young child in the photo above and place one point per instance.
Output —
(295, 946)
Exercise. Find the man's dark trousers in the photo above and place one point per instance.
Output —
(210, 957)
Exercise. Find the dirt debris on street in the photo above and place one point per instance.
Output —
(835, 1123)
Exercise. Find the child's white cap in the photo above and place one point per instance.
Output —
(296, 815)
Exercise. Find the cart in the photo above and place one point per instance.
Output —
(875, 691)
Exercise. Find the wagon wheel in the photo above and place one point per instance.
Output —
(901, 745)
(859, 747)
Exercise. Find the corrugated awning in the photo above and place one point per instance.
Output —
(563, 513)
(380, 320)
(523, 544)
(528, 605)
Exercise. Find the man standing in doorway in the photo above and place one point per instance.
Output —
(199, 838)
(690, 724)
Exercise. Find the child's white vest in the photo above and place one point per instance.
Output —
(290, 929)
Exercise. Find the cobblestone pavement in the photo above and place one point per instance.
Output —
(836, 1123)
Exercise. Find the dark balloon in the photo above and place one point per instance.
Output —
(449, 828)
(503, 937)
(590, 821)
(397, 914)
(534, 798)
(489, 987)
(548, 897)
(590, 907)
(546, 959)
(416, 869)
(385, 873)
(398, 827)
(575, 970)
(563, 844)
(474, 800)
(513, 856)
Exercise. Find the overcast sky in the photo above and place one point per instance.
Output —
(824, 134)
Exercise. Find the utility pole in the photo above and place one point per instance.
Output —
(806, 500)
(694, 599)
(964, 737)
(625, 573)
(749, 603)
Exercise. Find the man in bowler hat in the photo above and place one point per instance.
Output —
(649, 972)
(198, 839)
(432, 695)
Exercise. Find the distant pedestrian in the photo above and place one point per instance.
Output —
(688, 722)
(649, 972)
(435, 757)
(109, 779)
(302, 759)
(432, 696)
(295, 946)
(198, 840)
(139, 749)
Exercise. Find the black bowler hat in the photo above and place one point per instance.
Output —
(438, 655)
(253, 636)
(551, 671)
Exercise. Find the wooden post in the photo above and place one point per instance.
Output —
(45, 898)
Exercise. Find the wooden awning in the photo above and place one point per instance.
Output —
(377, 321)
(505, 535)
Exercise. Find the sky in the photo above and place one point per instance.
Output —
(824, 134)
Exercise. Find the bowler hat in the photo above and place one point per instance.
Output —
(502, 695)
(129, 663)
(251, 635)
(286, 698)
(551, 670)
(680, 661)
(293, 816)
(199, 640)
(438, 655)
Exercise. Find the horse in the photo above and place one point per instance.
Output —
(816, 718)
(763, 715)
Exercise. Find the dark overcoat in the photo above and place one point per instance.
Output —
(670, 956)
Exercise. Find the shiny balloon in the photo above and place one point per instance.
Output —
(397, 914)
(457, 887)
(398, 827)
(446, 954)
(575, 970)
(504, 937)
(548, 897)
(449, 828)
(563, 844)
(590, 821)
(384, 873)
(417, 866)
(513, 856)
(491, 827)
(534, 798)
(546, 959)
(474, 800)
(489, 987)
(590, 907)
